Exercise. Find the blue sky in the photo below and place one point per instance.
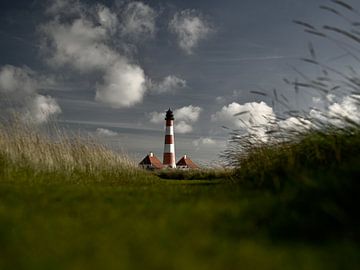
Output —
(111, 68)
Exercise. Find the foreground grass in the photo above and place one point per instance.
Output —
(63, 210)
(158, 226)
(315, 179)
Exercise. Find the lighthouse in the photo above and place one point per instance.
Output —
(169, 147)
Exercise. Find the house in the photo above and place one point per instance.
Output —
(151, 162)
(186, 163)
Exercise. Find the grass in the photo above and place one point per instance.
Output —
(119, 217)
(315, 180)
(159, 226)
(318, 152)
(198, 174)
(27, 154)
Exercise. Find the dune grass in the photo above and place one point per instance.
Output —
(291, 162)
(27, 154)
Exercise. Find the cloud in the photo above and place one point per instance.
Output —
(185, 117)
(169, 84)
(85, 43)
(340, 111)
(258, 118)
(138, 21)
(20, 86)
(183, 127)
(14, 79)
(103, 132)
(157, 118)
(203, 141)
(123, 86)
(107, 19)
(294, 124)
(41, 109)
(348, 108)
(79, 44)
(253, 117)
(220, 99)
(190, 28)
(249, 115)
(188, 113)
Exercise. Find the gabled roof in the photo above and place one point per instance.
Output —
(186, 161)
(153, 161)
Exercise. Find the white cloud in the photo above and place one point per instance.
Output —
(188, 114)
(250, 115)
(20, 86)
(253, 117)
(103, 132)
(80, 44)
(183, 127)
(220, 99)
(295, 124)
(84, 43)
(338, 111)
(107, 19)
(157, 118)
(138, 20)
(348, 108)
(170, 84)
(203, 141)
(124, 85)
(185, 117)
(41, 109)
(14, 79)
(190, 28)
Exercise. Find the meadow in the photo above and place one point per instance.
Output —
(77, 216)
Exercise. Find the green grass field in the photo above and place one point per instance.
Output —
(73, 204)
(162, 225)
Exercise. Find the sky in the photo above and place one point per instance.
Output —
(112, 68)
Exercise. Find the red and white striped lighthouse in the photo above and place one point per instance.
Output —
(169, 147)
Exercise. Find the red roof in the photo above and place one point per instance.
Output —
(153, 161)
(185, 161)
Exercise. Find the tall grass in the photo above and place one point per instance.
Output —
(28, 153)
(313, 168)
(319, 129)
(313, 154)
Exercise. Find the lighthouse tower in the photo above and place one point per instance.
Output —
(169, 148)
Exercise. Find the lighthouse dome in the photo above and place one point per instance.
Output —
(169, 115)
